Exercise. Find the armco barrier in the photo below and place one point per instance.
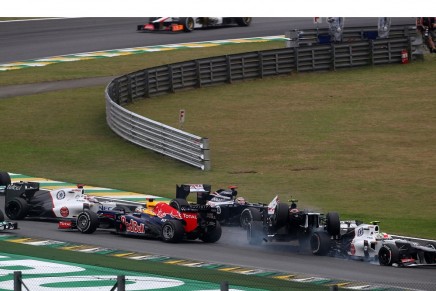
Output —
(171, 78)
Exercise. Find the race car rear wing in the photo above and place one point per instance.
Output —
(202, 190)
(25, 190)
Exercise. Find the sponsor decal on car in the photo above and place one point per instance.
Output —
(64, 211)
(132, 225)
(60, 195)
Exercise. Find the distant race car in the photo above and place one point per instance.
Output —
(233, 210)
(365, 242)
(282, 222)
(6, 225)
(188, 24)
(26, 199)
(171, 222)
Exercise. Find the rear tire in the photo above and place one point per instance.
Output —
(87, 222)
(249, 215)
(17, 208)
(172, 231)
(320, 243)
(212, 235)
(388, 254)
(2, 216)
(179, 203)
(5, 179)
(333, 223)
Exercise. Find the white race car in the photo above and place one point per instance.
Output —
(188, 24)
(26, 199)
(366, 242)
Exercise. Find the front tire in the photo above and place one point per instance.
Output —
(333, 223)
(255, 233)
(213, 234)
(188, 23)
(281, 215)
(243, 21)
(87, 222)
(320, 243)
(388, 254)
(172, 231)
(17, 209)
(249, 215)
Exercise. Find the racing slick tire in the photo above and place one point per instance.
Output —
(333, 223)
(5, 179)
(178, 203)
(87, 222)
(281, 215)
(17, 208)
(430, 258)
(172, 231)
(255, 233)
(388, 254)
(188, 23)
(248, 215)
(2, 216)
(320, 243)
(243, 21)
(213, 234)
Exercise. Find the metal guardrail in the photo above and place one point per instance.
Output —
(350, 34)
(171, 78)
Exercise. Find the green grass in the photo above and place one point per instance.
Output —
(357, 141)
(120, 264)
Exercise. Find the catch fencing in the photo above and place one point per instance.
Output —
(358, 49)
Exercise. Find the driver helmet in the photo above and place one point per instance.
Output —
(240, 200)
(139, 209)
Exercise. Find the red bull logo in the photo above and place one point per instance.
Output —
(132, 225)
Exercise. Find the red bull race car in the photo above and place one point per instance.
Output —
(188, 24)
(170, 222)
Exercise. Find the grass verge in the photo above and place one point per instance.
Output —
(357, 141)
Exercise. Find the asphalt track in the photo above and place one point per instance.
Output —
(58, 37)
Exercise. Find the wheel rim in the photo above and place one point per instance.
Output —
(190, 23)
(12, 209)
(82, 222)
(385, 256)
(167, 232)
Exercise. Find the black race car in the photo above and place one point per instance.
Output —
(233, 210)
(282, 222)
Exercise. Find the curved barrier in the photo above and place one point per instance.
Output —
(171, 78)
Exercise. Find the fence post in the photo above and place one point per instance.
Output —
(224, 286)
(17, 280)
(121, 283)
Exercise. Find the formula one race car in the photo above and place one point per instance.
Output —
(188, 24)
(171, 222)
(365, 242)
(232, 210)
(6, 225)
(26, 199)
(283, 222)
